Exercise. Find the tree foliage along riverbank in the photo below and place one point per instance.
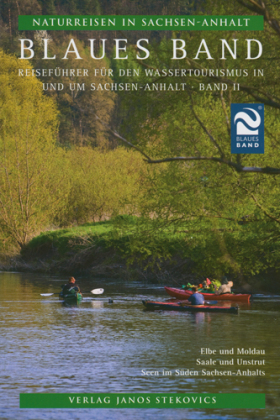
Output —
(42, 183)
(228, 201)
(32, 185)
(222, 209)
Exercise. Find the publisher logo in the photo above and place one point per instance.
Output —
(247, 128)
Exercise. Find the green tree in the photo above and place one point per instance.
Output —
(32, 187)
(77, 102)
(103, 183)
(223, 208)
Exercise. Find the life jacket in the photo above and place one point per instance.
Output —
(214, 283)
(69, 289)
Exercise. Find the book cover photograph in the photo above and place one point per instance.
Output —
(139, 209)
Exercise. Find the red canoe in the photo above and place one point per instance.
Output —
(175, 306)
(185, 294)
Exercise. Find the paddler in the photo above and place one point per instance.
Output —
(206, 283)
(196, 298)
(70, 287)
(225, 286)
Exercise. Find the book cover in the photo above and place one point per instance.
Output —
(139, 149)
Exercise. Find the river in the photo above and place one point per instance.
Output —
(99, 346)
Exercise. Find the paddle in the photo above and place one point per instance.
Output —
(94, 292)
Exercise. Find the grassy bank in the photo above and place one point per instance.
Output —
(128, 248)
(107, 249)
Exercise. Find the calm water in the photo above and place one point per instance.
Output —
(103, 347)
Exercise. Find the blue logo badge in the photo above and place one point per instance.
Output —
(247, 128)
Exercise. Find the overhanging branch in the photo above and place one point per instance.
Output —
(237, 167)
(261, 9)
(122, 138)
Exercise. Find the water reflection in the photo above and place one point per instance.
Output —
(97, 304)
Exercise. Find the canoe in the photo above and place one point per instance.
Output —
(71, 297)
(185, 294)
(172, 306)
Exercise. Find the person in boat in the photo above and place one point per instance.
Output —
(225, 286)
(214, 286)
(196, 298)
(206, 283)
(70, 287)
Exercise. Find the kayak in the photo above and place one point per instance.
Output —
(185, 294)
(172, 306)
(71, 297)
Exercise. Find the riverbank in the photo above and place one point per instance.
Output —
(103, 249)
